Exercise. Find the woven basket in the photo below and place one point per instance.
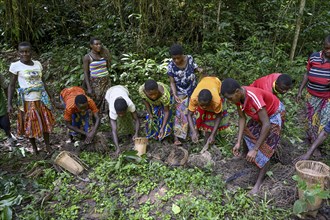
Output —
(140, 145)
(312, 172)
(66, 161)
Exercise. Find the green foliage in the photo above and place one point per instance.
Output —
(136, 26)
(310, 193)
(10, 196)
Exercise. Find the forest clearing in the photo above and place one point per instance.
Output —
(176, 178)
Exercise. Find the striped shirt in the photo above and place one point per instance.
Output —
(256, 99)
(318, 72)
(98, 68)
(68, 95)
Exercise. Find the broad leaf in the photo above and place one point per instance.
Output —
(7, 213)
(299, 207)
(176, 209)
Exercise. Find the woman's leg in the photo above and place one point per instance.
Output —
(34, 145)
(47, 142)
(260, 179)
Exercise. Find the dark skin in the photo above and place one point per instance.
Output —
(96, 50)
(209, 136)
(281, 88)
(26, 58)
(82, 108)
(114, 128)
(3, 87)
(320, 139)
(181, 62)
(326, 53)
(238, 97)
(154, 95)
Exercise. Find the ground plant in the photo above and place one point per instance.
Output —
(243, 40)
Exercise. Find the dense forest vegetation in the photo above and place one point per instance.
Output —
(232, 38)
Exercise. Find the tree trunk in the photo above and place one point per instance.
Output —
(297, 30)
(218, 15)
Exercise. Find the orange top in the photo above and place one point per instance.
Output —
(213, 84)
(68, 95)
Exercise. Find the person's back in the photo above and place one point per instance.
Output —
(113, 94)
(266, 82)
(69, 94)
(256, 98)
(213, 84)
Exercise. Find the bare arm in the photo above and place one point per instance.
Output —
(97, 123)
(11, 89)
(114, 133)
(137, 124)
(264, 119)
(216, 125)
(166, 116)
(51, 97)
(148, 107)
(302, 86)
(192, 127)
(2, 83)
(73, 128)
(241, 126)
(265, 127)
(86, 62)
(90, 135)
(173, 87)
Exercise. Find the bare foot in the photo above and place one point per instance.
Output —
(305, 156)
(254, 191)
(205, 148)
(49, 149)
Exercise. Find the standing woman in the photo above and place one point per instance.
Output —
(181, 71)
(35, 118)
(96, 64)
(317, 79)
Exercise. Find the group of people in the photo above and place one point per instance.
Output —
(194, 103)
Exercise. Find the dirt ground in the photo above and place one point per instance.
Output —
(236, 172)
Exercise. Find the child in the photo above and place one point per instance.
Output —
(210, 110)
(262, 133)
(181, 71)
(276, 83)
(119, 106)
(35, 118)
(76, 114)
(157, 99)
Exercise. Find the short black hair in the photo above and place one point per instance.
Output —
(150, 84)
(25, 44)
(120, 105)
(176, 49)
(229, 86)
(80, 99)
(327, 39)
(204, 96)
(284, 79)
(94, 39)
